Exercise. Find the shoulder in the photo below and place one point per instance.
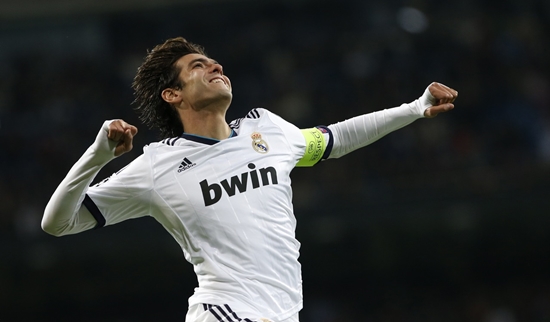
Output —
(254, 114)
(259, 115)
(156, 150)
(167, 142)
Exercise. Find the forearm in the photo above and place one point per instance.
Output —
(363, 130)
(64, 213)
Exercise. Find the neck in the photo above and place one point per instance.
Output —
(206, 123)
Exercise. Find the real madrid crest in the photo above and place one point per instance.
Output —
(258, 143)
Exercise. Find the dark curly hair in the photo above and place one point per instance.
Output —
(156, 73)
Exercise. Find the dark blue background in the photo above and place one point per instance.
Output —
(444, 220)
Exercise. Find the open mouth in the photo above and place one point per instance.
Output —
(218, 80)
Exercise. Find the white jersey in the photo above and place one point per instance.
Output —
(228, 204)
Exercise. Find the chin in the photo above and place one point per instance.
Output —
(223, 99)
(226, 96)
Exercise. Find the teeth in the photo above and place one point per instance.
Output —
(217, 80)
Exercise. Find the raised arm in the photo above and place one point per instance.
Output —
(363, 130)
(64, 214)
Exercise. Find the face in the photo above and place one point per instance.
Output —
(204, 83)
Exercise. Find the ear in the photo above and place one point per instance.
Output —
(171, 95)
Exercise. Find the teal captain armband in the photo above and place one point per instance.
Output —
(315, 147)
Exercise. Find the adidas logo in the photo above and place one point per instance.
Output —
(185, 164)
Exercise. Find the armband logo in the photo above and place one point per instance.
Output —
(259, 144)
(311, 147)
(316, 147)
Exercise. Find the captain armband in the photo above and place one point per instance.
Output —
(315, 147)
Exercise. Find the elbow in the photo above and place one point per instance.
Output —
(50, 228)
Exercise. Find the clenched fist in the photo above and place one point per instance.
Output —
(122, 133)
(440, 98)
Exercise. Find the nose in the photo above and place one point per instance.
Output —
(217, 68)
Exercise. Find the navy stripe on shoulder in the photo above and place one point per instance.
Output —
(174, 141)
(235, 124)
(253, 114)
(229, 316)
(328, 149)
(226, 316)
(216, 314)
(170, 141)
(92, 208)
(232, 313)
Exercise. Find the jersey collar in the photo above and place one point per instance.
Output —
(203, 139)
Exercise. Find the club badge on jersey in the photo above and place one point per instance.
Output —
(258, 143)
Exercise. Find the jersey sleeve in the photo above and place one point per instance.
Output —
(310, 145)
(124, 195)
(360, 131)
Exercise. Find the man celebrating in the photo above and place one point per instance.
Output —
(221, 190)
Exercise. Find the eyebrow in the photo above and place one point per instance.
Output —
(202, 60)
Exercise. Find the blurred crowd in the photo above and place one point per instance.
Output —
(444, 220)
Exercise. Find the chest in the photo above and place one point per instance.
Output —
(238, 173)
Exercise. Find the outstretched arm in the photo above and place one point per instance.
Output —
(63, 214)
(363, 130)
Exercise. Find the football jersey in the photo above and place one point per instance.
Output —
(228, 204)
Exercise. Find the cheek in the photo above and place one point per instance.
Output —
(194, 87)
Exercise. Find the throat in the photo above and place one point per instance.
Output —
(205, 123)
(219, 133)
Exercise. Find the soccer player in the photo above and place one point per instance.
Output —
(222, 190)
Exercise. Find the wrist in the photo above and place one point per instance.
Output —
(427, 99)
(424, 102)
(103, 149)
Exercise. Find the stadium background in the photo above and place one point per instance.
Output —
(444, 220)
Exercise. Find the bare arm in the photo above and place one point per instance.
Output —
(64, 213)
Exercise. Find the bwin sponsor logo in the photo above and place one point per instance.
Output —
(212, 193)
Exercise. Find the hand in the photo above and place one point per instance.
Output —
(122, 133)
(441, 99)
